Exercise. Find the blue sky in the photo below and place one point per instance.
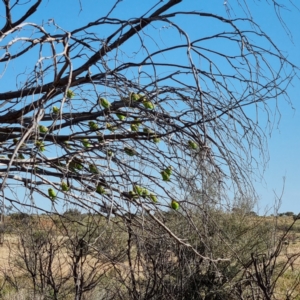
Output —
(284, 142)
(283, 171)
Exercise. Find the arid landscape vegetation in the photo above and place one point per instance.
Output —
(132, 136)
(77, 256)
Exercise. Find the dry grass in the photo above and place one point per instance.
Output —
(5, 250)
(288, 283)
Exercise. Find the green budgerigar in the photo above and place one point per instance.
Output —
(147, 130)
(166, 173)
(134, 127)
(40, 146)
(129, 151)
(110, 127)
(93, 169)
(55, 109)
(93, 126)
(138, 190)
(148, 104)
(110, 153)
(67, 145)
(165, 176)
(43, 129)
(135, 97)
(100, 137)
(70, 94)
(174, 204)
(156, 140)
(145, 193)
(100, 190)
(85, 143)
(51, 194)
(64, 186)
(193, 145)
(168, 170)
(104, 102)
(153, 198)
(15, 142)
(121, 116)
(132, 195)
(74, 165)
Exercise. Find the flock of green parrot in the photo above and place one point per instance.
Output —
(138, 191)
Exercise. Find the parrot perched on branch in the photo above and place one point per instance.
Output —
(147, 130)
(70, 94)
(166, 174)
(141, 191)
(121, 116)
(168, 170)
(129, 151)
(135, 126)
(148, 104)
(110, 153)
(93, 126)
(85, 143)
(193, 145)
(75, 166)
(138, 190)
(93, 169)
(153, 198)
(174, 204)
(145, 193)
(100, 190)
(51, 194)
(156, 140)
(43, 129)
(135, 97)
(66, 143)
(111, 127)
(55, 109)
(100, 137)
(132, 195)
(40, 146)
(64, 186)
(103, 102)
